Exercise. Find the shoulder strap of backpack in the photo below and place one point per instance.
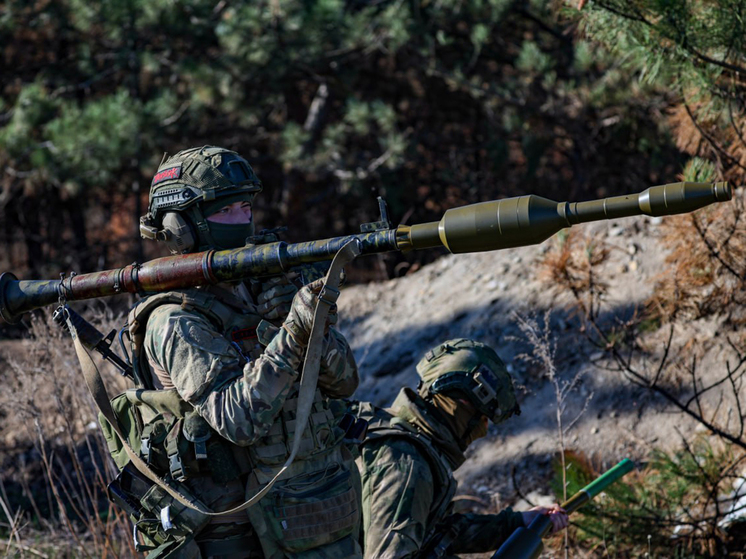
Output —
(206, 304)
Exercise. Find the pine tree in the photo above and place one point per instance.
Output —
(696, 49)
(334, 102)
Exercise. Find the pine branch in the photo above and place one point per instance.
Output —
(710, 140)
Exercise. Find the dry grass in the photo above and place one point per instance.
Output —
(55, 467)
(572, 265)
(706, 268)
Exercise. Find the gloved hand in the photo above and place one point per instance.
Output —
(300, 318)
(556, 514)
(273, 303)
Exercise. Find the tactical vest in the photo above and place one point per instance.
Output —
(171, 438)
(249, 335)
(382, 425)
(315, 503)
(243, 330)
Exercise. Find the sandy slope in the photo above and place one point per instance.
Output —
(391, 324)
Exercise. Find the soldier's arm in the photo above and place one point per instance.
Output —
(338, 376)
(338, 371)
(397, 496)
(239, 402)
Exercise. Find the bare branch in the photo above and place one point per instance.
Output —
(709, 139)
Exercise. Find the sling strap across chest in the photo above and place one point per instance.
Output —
(309, 379)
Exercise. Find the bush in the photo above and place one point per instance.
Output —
(55, 468)
(673, 507)
(706, 266)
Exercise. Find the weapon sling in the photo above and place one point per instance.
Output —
(327, 297)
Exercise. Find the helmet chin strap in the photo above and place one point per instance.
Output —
(474, 423)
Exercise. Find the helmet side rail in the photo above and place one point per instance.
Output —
(498, 224)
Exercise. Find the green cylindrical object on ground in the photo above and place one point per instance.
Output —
(525, 543)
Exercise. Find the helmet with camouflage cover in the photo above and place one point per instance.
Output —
(468, 369)
(188, 187)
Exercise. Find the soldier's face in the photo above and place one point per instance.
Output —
(237, 213)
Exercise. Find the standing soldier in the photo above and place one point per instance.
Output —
(220, 371)
(410, 453)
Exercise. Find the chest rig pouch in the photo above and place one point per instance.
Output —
(162, 525)
(317, 502)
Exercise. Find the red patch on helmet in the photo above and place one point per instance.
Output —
(167, 174)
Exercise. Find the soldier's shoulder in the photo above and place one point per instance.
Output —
(168, 319)
(169, 312)
(168, 309)
(388, 449)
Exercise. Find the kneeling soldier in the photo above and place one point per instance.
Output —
(411, 450)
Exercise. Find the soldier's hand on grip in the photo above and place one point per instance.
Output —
(300, 318)
(276, 298)
(556, 514)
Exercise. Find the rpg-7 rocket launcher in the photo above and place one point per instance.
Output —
(507, 223)
(525, 543)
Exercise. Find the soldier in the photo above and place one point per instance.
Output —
(408, 458)
(229, 356)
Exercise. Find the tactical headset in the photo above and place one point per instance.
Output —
(188, 187)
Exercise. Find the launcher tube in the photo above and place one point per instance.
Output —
(512, 222)
(542, 524)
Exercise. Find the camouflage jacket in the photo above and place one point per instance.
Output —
(406, 465)
(239, 399)
(241, 391)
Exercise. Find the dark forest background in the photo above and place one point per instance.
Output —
(429, 103)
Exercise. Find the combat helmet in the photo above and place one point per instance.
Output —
(469, 369)
(191, 185)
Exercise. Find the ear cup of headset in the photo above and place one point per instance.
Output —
(180, 236)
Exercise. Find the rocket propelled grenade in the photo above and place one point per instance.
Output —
(499, 224)
(529, 220)
(525, 543)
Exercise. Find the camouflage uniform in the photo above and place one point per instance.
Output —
(242, 401)
(235, 377)
(406, 464)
